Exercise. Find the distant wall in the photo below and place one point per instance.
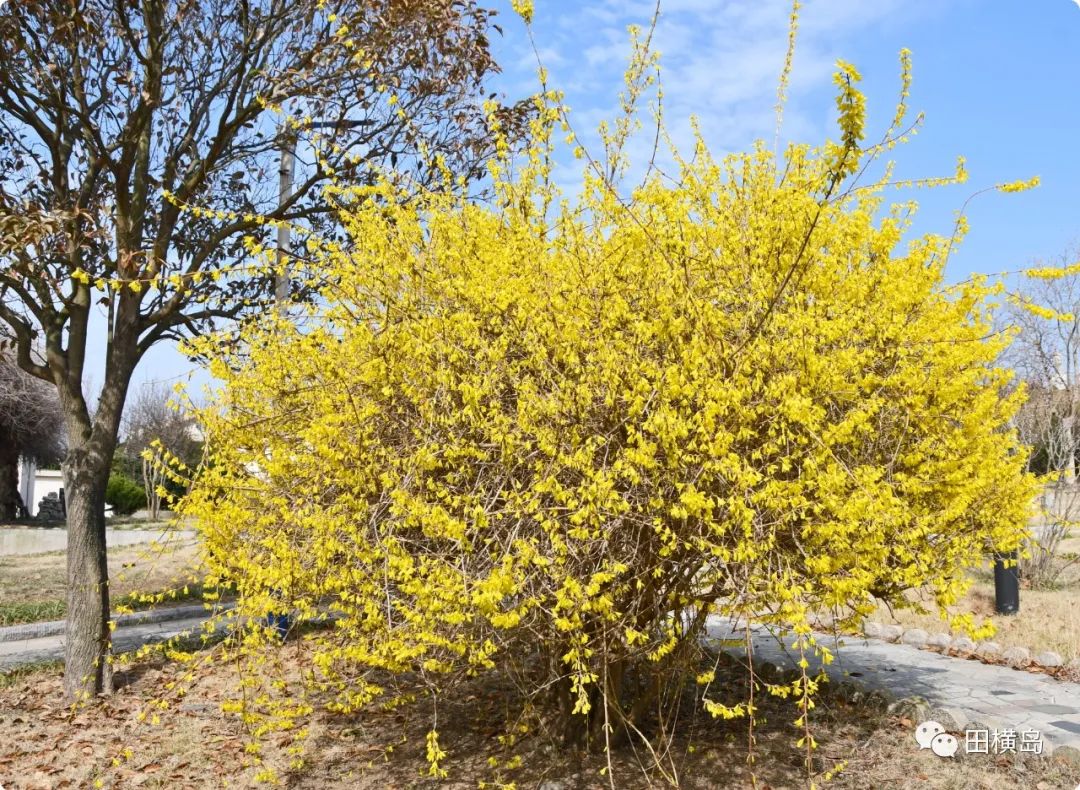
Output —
(35, 484)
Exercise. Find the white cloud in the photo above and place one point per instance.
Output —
(720, 60)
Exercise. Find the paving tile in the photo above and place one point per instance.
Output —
(1070, 726)
(1057, 709)
(994, 695)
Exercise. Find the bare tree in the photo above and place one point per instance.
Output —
(153, 422)
(1044, 425)
(30, 427)
(1046, 355)
(107, 105)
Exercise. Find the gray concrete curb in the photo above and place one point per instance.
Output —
(16, 633)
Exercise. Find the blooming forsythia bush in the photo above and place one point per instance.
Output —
(554, 437)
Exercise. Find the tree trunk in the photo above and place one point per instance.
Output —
(9, 478)
(87, 643)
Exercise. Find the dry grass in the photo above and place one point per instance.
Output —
(1047, 620)
(40, 579)
(46, 745)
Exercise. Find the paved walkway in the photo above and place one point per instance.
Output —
(36, 649)
(961, 693)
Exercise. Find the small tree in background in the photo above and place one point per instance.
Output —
(31, 426)
(1046, 354)
(154, 424)
(124, 495)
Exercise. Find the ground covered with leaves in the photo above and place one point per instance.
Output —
(127, 740)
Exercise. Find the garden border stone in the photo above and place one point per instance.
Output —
(1017, 657)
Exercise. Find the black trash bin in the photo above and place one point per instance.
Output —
(1007, 583)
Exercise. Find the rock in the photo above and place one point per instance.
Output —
(825, 621)
(963, 645)
(988, 650)
(767, 670)
(879, 699)
(820, 764)
(552, 785)
(51, 508)
(938, 640)
(952, 719)
(846, 690)
(1069, 755)
(916, 637)
(1048, 658)
(725, 659)
(872, 630)
(1016, 656)
(915, 708)
(892, 633)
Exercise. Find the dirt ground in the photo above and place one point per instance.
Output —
(126, 740)
(44, 744)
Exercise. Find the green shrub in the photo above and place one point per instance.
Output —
(124, 494)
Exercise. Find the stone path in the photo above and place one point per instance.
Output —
(961, 694)
(36, 649)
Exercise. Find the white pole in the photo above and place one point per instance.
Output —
(285, 182)
(27, 472)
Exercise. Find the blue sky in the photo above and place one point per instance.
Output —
(997, 80)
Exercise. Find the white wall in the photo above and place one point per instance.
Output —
(46, 481)
(35, 484)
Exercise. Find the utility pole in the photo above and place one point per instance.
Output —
(286, 173)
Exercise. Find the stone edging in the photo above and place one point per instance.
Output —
(963, 647)
(16, 633)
